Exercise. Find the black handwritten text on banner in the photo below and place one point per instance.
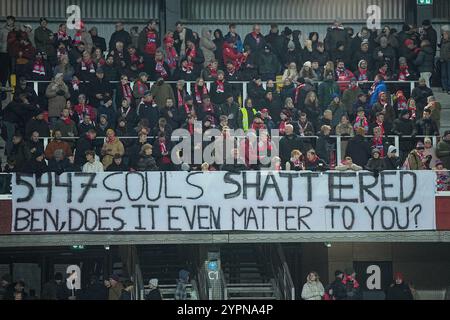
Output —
(224, 201)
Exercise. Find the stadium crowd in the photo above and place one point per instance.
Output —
(97, 104)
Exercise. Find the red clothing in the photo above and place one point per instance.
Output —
(81, 110)
(229, 53)
(151, 45)
(343, 75)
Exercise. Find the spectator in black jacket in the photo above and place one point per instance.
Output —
(119, 35)
(420, 94)
(428, 33)
(336, 289)
(181, 36)
(334, 34)
(84, 143)
(427, 126)
(289, 142)
(99, 89)
(392, 161)
(98, 42)
(20, 153)
(38, 124)
(255, 40)
(399, 290)
(117, 165)
(36, 165)
(404, 126)
(384, 54)
(376, 163)
(358, 148)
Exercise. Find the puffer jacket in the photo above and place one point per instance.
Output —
(425, 60)
(313, 291)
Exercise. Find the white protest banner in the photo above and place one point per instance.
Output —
(224, 201)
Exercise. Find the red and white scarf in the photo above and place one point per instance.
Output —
(77, 38)
(87, 66)
(180, 97)
(220, 86)
(404, 73)
(171, 57)
(198, 95)
(212, 72)
(38, 67)
(126, 91)
(161, 70)
(362, 74)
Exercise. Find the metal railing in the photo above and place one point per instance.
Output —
(339, 140)
(283, 279)
(243, 84)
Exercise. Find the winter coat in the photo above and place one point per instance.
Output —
(324, 146)
(338, 110)
(349, 97)
(333, 36)
(55, 145)
(43, 39)
(20, 154)
(399, 292)
(96, 166)
(208, 47)
(375, 164)
(359, 150)
(313, 290)
(146, 163)
(110, 150)
(381, 87)
(255, 47)
(117, 36)
(427, 127)
(57, 95)
(443, 153)
(425, 60)
(393, 163)
(161, 93)
(289, 143)
(268, 63)
(149, 112)
(326, 91)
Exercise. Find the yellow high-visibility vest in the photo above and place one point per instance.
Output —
(245, 123)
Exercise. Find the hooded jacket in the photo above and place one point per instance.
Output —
(425, 60)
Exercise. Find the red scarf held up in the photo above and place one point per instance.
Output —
(180, 97)
(161, 70)
(126, 91)
(212, 71)
(77, 38)
(89, 64)
(404, 73)
(297, 92)
(38, 67)
(198, 95)
(220, 86)
(61, 35)
(171, 56)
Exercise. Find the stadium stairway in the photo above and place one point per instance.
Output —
(247, 273)
(163, 263)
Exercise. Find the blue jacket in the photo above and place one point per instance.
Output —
(381, 87)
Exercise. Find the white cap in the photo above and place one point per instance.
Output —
(153, 283)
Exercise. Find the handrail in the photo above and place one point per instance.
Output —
(280, 268)
(244, 84)
(139, 283)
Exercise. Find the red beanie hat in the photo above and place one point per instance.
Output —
(398, 275)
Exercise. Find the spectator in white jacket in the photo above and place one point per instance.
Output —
(313, 288)
(92, 165)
